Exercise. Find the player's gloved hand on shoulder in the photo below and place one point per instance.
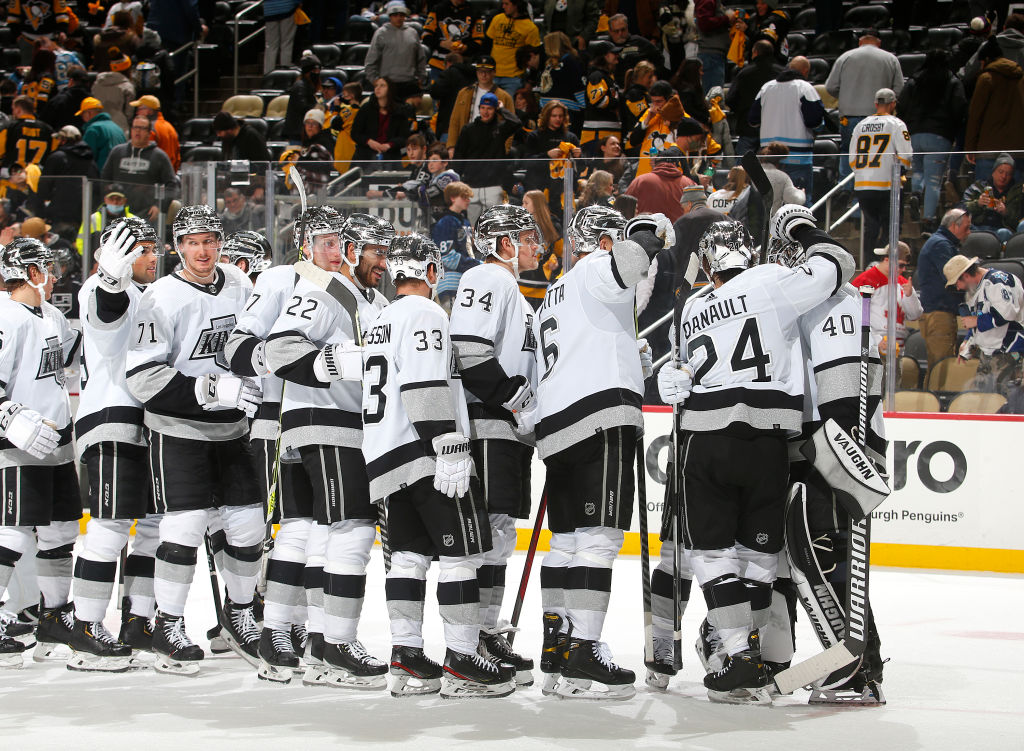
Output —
(27, 430)
(454, 464)
(522, 404)
(117, 254)
(226, 391)
(339, 362)
(789, 218)
(646, 358)
(674, 382)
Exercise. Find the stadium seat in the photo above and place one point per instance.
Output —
(356, 54)
(896, 41)
(1013, 266)
(280, 79)
(244, 105)
(913, 400)
(202, 154)
(11, 58)
(276, 130)
(797, 43)
(944, 38)
(910, 63)
(833, 43)
(910, 373)
(806, 19)
(819, 70)
(341, 75)
(949, 374)
(258, 124)
(329, 54)
(197, 130)
(915, 347)
(1014, 247)
(278, 107)
(866, 16)
(983, 244)
(976, 403)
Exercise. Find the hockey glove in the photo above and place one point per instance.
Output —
(674, 383)
(114, 267)
(522, 404)
(229, 392)
(650, 242)
(454, 464)
(646, 358)
(788, 218)
(26, 430)
(339, 362)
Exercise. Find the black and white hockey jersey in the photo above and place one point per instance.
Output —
(36, 344)
(591, 377)
(412, 393)
(492, 333)
(270, 293)
(107, 410)
(181, 331)
(318, 413)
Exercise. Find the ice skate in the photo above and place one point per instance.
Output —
(137, 633)
(53, 632)
(94, 649)
(316, 671)
(858, 691)
(239, 629)
(218, 645)
(494, 645)
(22, 632)
(349, 665)
(660, 670)
(709, 648)
(553, 649)
(413, 673)
(175, 652)
(742, 680)
(10, 650)
(589, 673)
(469, 676)
(299, 638)
(277, 660)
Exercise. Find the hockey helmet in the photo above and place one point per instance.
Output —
(316, 221)
(726, 245)
(785, 253)
(22, 252)
(501, 221)
(196, 219)
(363, 230)
(143, 231)
(658, 224)
(251, 246)
(410, 256)
(590, 224)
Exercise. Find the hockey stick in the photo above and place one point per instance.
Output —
(851, 647)
(752, 166)
(528, 567)
(122, 561)
(214, 581)
(645, 552)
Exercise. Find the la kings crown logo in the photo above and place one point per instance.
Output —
(51, 361)
(212, 340)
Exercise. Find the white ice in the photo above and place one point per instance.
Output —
(956, 643)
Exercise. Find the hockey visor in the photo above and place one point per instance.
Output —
(858, 486)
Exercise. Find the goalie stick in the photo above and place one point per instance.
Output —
(752, 166)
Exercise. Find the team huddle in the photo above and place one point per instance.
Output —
(214, 407)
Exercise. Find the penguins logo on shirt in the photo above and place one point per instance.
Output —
(212, 340)
(51, 361)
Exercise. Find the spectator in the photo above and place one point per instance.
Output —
(101, 133)
(720, 132)
(641, 16)
(783, 190)
(240, 214)
(655, 130)
(141, 166)
(635, 48)
(788, 110)
(908, 303)
(313, 132)
(996, 112)
(381, 125)
(554, 142)
(445, 88)
(527, 107)
(431, 193)
(32, 20)
(452, 233)
(302, 96)
(416, 157)
(342, 116)
(65, 60)
(598, 190)
(396, 53)
(113, 40)
(135, 13)
(687, 83)
(452, 26)
(279, 33)
(72, 159)
(510, 30)
(41, 81)
(529, 59)
(114, 90)
(114, 206)
(480, 155)
(713, 24)
(26, 140)
(467, 104)
(746, 85)
(164, 134)
(875, 143)
(603, 98)
(1011, 44)
(577, 20)
(659, 191)
(637, 99)
(938, 321)
(736, 185)
(62, 108)
(609, 157)
(770, 24)
(533, 284)
(239, 140)
(933, 107)
(855, 77)
(986, 200)
(563, 79)
(15, 190)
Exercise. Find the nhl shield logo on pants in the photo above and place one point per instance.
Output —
(589, 509)
(448, 540)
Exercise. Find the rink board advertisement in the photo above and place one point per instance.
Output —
(954, 503)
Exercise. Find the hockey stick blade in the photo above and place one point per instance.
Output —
(814, 668)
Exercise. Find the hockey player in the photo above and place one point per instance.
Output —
(492, 333)
(589, 418)
(250, 251)
(38, 481)
(195, 415)
(418, 459)
(735, 347)
(315, 347)
(110, 442)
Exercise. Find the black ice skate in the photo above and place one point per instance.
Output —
(10, 652)
(299, 638)
(660, 669)
(175, 652)
(277, 659)
(349, 665)
(239, 629)
(218, 645)
(12, 644)
(13, 627)
(589, 673)
(467, 676)
(136, 632)
(94, 649)
(743, 679)
(709, 648)
(493, 644)
(313, 658)
(555, 644)
(53, 631)
(413, 673)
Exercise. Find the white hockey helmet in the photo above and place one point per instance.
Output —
(726, 245)
(590, 224)
(143, 231)
(22, 252)
(503, 220)
(785, 253)
(194, 220)
(313, 222)
(251, 246)
(363, 230)
(410, 256)
(658, 224)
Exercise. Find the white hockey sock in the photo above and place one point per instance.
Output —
(313, 576)
(458, 598)
(139, 567)
(405, 587)
(53, 561)
(588, 584)
(348, 553)
(172, 576)
(553, 570)
(14, 542)
(96, 567)
(244, 528)
(285, 572)
(661, 591)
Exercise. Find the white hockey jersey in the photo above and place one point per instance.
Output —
(181, 331)
(998, 302)
(270, 293)
(591, 378)
(36, 344)
(492, 333)
(875, 142)
(412, 393)
(318, 413)
(107, 410)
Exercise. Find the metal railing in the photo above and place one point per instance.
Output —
(240, 42)
(826, 200)
(193, 73)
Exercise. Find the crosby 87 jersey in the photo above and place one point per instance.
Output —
(36, 344)
(492, 333)
(875, 142)
(412, 393)
(179, 335)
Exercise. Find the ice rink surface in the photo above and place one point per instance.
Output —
(956, 643)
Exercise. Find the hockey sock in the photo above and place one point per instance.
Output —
(588, 581)
(458, 598)
(244, 530)
(406, 588)
(777, 635)
(348, 553)
(139, 567)
(172, 575)
(13, 543)
(503, 544)
(313, 576)
(493, 612)
(96, 567)
(285, 572)
(661, 591)
(553, 571)
(217, 544)
(760, 595)
(729, 611)
(485, 581)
